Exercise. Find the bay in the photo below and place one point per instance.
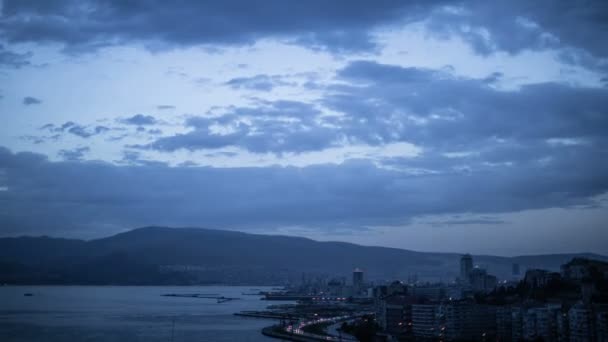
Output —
(128, 313)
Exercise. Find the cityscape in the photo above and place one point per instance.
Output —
(303, 170)
(536, 305)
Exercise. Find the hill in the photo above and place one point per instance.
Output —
(158, 255)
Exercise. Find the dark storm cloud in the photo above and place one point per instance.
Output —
(578, 28)
(258, 82)
(45, 197)
(29, 100)
(335, 25)
(140, 120)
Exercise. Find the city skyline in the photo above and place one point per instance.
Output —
(436, 126)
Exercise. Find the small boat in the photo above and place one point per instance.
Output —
(28, 294)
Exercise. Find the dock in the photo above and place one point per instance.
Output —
(219, 298)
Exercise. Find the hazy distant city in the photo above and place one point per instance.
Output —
(216, 171)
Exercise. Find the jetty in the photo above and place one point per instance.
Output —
(218, 297)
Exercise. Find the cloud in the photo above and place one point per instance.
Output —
(378, 104)
(33, 139)
(516, 26)
(437, 110)
(74, 154)
(458, 220)
(140, 120)
(280, 126)
(29, 100)
(165, 107)
(76, 129)
(338, 26)
(354, 194)
(258, 82)
(14, 59)
(85, 132)
(155, 131)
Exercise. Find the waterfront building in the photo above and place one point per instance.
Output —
(541, 310)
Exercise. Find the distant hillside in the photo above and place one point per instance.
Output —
(156, 255)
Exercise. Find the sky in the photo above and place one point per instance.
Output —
(453, 126)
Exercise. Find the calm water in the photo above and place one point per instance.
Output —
(125, 313)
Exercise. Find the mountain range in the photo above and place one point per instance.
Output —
(183, 256)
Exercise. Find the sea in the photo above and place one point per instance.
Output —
(128, 313)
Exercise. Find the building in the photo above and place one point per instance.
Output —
(358, 278)
(536, 322)
(515, 271)
(580, 323)
(517, 314)
(427, 321)
(335, 287)
(481, 281)
(467, 321)
(455, 292)
(542, 322)
(504, 323)
(396, 314)
(581, 268)
(397, 287)
(540, 278)
(433, 292)
(601, 323)
(466, 266)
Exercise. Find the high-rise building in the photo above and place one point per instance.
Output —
(466, 266)
(357, 278)
(515, 270)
